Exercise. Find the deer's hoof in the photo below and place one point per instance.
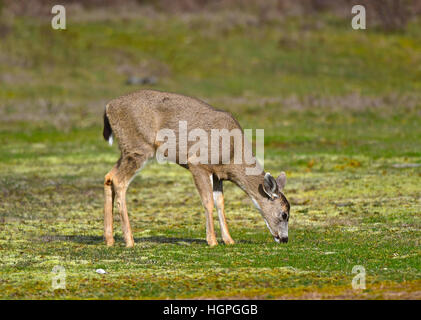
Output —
(129, 244)
(109, 242)
(229, 241)
(212, 243)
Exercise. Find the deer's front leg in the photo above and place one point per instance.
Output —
(218, 198)
(204, 186)
(108, 207)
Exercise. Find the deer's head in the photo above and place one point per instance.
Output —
(274, 206)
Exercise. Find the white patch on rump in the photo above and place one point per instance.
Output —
(110, 139)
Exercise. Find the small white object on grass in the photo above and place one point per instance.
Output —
(100, 271)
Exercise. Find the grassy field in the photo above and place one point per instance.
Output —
(341, 111)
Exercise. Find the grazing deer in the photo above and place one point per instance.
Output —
(135, 120)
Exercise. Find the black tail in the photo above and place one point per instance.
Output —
(107, 128)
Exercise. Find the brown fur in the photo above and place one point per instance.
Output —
(135, 119)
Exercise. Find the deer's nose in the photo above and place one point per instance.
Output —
(279, 239)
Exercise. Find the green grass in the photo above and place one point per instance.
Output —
(339, 107)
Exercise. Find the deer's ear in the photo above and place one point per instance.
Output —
(270, 186)
(281, 180)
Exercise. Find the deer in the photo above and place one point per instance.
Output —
(135, 120)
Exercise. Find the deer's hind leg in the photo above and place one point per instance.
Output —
(218, 199)
(126, 169)
(109, 195)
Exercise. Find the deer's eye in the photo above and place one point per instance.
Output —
(284, 216)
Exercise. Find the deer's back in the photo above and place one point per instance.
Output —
(137, 117)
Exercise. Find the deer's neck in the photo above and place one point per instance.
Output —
(251, 184)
